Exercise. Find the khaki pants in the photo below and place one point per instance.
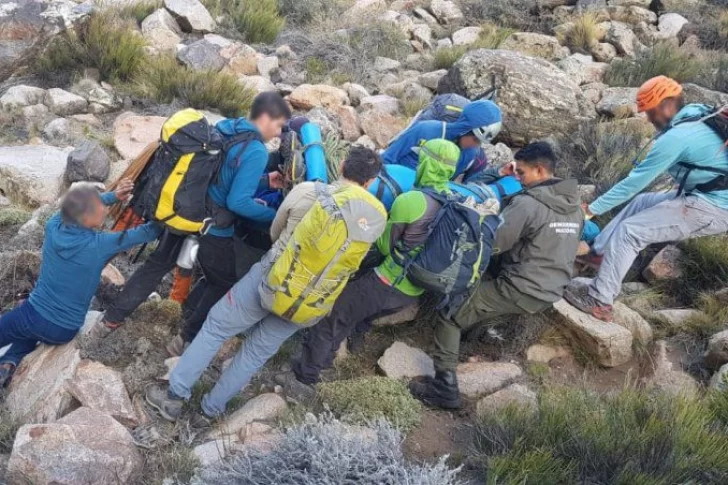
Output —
(488, 302)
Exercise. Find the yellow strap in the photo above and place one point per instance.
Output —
(178, 120)
(165, 208)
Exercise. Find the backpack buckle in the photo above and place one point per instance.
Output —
(207, 224)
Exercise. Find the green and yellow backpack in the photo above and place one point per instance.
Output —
(326, 248)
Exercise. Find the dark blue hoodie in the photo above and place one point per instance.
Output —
(73, 258)
(239, 178)
(475, 115)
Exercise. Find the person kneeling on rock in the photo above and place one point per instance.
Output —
(537, 245)
(74, 254)
(327, 232)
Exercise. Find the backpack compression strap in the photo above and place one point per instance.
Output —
(388, 180)
(718, 183)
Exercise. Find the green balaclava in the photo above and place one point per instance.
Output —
(437, 164)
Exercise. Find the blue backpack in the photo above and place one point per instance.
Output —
(456, 251)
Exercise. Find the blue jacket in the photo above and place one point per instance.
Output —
(73, 258)
(474, 115)
(239, 178)
(689, 141)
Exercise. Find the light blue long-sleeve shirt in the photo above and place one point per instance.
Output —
(684, 141)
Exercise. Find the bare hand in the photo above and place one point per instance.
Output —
(507, 169)
(276, 180)
(587, 212)
(124, 189)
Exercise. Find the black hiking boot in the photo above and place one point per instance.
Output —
(440, 391)
(294, 388)
(355, 342)
(161, 399)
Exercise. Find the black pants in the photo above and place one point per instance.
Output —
(146, 279)
(217, 260)
(362, 301)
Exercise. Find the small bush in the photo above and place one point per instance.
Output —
(175, 462)
(412, 106)
(583, 35)
(718, 402)
(105, 42)
(138, 11)
(303, 13)
(328, 452)
(708, 21)
(705, 264)
(258, 21)
(522, 15)
(8, 429)
(163, 80)
(445, 57)
(580, 437)
(663, 59)
(370, 398)
(11, 216)
(491, 36)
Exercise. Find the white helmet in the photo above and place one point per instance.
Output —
(486, 133)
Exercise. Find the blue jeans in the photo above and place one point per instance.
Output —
(23, 328)
(239, 311)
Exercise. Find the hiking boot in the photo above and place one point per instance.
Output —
(6, 373)
(588, 304)
(102, 329)
(355, 342)
(200, 421)
(177, 346)
(294, 388)
(440, 391)
(590, 260)
(164, 401)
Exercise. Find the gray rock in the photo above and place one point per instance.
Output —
(133, 133)
(582, 68)
(191, 15)
(86, 446)
(430, 80)
(259, 84)
(609, 343)
(35, 114)
(421, 33)
(64, 103)
(363, 7)
(631, 3)
(466, 35)
(446, 12)
(618, 102)
(425, 16)
(633, 321)
(308, 96)
(477, 379)
(545, 353)
(202, 55)
(664, 266)
(537, 45)
(382, 103)
(22, 96)
(161, 31)
(87, 162)
(621, 36)
(671, 24)
(58, 129)
(698, 94)
(719, 381)
(536, 97)
(356, 92)
(717, 353)
(632, 14)
(498, 154)
(266, 65)
(676, 316)
(443, 43)
(402, 361)
(328, 122)
(604, 52)
(633, 288)
(264, 407)
(405, 315)
(384, 64)
(31, 175)
(666, 379)
(514, 395)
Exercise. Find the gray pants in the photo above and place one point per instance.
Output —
(649, 219)
(237, 312)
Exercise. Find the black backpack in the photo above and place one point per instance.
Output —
(456, 251)
(718, 122)
(173, 187)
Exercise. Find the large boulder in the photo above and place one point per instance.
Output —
(537, 45)
(698, 94)
(382, 103)
(380, 127)
(621, 36)
(664, 266)
(132, 133)
(400, 360)
(31, 175)
(161, 31)
(202, 55)
(191, 15)
(665, 378)
(537, 98)
(63, 103)
(86, 447)
(477, 379)
(265, 407)
(21, 96)
(618, 102)
(671, 24)
(516, 395)
(717, 353)
(307, 96)
(582, 68)
(100, 388)
(88, 162)
(633, 321)
(446, 12)
(26, 27)
(609, 344)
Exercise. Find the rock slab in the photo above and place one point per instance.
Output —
(264, 407)
(31, 175)
(664, 266)
(513, 395)
(85, 447)
(402, 361)
(133, 133)
(477, 379)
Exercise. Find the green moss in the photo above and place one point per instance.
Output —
(165, 312)
(12, 216)
(369, 398)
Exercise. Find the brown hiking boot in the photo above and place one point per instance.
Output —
(588, 304)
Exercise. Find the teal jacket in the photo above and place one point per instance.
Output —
(684, 141)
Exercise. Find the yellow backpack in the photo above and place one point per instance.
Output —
(326, 248)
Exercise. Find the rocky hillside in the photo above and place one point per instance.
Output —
(553, 398)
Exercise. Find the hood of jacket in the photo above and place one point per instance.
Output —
(690, 112)
(68, 240)
(438, 160)
(561, 196)
(235, 126)
(475, 115)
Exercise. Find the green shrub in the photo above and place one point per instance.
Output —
(299, 12)
(138, 11)
(583, 35)
(8, 429)
(316, 70)
(445, 57)
(580, 437)
(105, 42)
(11, 216)
(718, 402)
(522, 15)
(369, 398)
(705, 264)
(163, 80)
(258, 21)
(491, 36)
(663, 59)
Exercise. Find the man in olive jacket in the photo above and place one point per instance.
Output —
(537, 245)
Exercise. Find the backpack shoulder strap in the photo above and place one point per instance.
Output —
(385, 179)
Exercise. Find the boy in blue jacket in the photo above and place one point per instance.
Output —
(74, 254)
(479, 123)
(234, 191)
(693, 154)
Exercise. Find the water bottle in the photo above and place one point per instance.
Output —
(188, 253)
